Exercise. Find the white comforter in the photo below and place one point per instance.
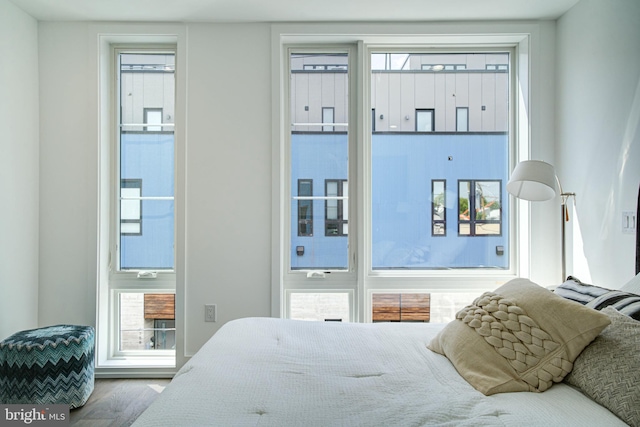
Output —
(274, 372)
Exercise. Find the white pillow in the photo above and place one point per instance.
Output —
(632, 285)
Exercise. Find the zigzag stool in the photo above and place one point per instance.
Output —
(50, 365)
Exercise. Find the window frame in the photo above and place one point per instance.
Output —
(297, 277)
(466, 119)
(386, 276)
(487, 39)
(473, 221)
(115, 281)
(146, 112)
(327, 127)
(116, 270)
(339, 221)
(442, 221)
(134, 280)
(125, 183)
(430, 112)
(306, 198)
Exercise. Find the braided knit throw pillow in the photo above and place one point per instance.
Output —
(517, 338)
(521, 337)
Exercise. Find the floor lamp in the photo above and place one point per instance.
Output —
(536, 180)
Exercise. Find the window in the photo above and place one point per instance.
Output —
(438, 208)
(336, 207)
(130, 207)
(327, 117)
(153, 116)
(147, 321)
(462, 119)
(305, 207)
(146, 153)
(322, 306)
(406, 231)
(324, 67)
(397, 172)
(424, 121)
(318, 153)
(136, 303)
(480, 208)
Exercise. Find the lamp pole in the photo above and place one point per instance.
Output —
(565, 219)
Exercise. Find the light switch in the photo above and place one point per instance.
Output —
(629, 222)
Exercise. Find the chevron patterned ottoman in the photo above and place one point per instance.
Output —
(50, 365)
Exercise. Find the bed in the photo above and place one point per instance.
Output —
(521, 355)
(277, 372)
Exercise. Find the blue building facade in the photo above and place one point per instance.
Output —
(408, 230)
(147, 224)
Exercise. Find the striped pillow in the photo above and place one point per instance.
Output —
(575, 290)
(625, 302)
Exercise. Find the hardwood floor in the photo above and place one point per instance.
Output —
(117, 402)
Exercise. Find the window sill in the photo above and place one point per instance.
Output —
(137, 367)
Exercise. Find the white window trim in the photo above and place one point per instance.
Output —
(336, 276)
(519, 37)
(110, 363)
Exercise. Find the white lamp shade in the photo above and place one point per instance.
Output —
(533, 180)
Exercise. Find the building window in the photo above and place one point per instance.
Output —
(425, 120)
(441, 67)
(328, 117)
(480, 207)
(164, 334)
(305, 207)
(462, 119)
(131, 207)
(438, 210)
(373, 120)
(324, 67)
(153, 116)
(336, 207)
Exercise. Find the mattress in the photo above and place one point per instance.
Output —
(277, 372)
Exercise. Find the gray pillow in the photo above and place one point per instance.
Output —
(608, 370)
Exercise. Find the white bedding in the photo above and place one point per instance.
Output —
(274, 372)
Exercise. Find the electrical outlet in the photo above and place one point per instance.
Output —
(210, 313)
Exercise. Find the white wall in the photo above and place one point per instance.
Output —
(227, 237)
(228, 248)
(18, 170)
(50, 209)
(68, 171)
(228, 170)
(598, 129)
